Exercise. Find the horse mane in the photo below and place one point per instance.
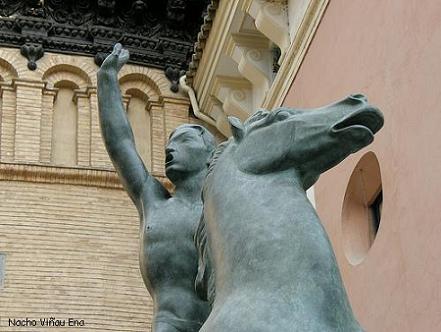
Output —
(205, 278)
(216, 154)
(204, 282)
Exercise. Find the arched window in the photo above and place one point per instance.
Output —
(66, 129)
(64, 132)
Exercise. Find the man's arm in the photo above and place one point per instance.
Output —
(117, 133)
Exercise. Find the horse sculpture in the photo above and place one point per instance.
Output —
(273, 267)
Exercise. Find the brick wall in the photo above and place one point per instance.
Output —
(71, 251)
(69, 234)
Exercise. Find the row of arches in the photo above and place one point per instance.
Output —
(13, 65)
(71, 113)
(138, 94)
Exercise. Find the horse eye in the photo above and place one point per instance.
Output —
(282, 115)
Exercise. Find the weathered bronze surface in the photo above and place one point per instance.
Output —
(266, 262)
(168, 257)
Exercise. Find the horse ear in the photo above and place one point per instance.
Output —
(237, 128)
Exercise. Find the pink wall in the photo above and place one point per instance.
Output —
(390, 51)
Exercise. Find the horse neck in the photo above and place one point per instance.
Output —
(226, 172)
(240, 206)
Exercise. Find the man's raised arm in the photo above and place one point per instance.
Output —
(117, 133)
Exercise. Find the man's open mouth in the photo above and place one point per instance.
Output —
(168, 158)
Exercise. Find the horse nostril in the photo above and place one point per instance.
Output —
(168, 158)
(359, 96)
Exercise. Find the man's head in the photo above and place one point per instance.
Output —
(188, 151)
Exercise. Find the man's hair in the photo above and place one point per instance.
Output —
(206, 136)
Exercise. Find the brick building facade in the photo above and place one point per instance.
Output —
(68, 232)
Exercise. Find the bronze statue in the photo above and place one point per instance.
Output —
(273, 267)
(168, 258)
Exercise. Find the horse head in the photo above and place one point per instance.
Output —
(306, 141)
(309, 141)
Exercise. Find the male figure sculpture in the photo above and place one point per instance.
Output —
(168, 258)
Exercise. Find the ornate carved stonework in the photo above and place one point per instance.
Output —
(32, 52)
(173, 75)
(158, 33)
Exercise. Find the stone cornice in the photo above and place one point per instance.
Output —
(65, 175)
(28, 83)
(214, 46)
(295, 54)
(257, 41)
(203, 35)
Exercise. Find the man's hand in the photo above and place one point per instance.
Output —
(115, 60)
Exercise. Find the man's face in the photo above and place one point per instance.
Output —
(185, 153)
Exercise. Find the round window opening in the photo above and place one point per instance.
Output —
(362, 206)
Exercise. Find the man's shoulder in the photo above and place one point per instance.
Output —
(152, 188)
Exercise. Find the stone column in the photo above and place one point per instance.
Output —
(126, 101)
(81, 98)
(176, 113)
(46, 124)
(28, 119)
(158, 139)
(7, 122)
(98, 153)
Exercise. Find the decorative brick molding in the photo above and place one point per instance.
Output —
(66, 175)
(27, 109)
